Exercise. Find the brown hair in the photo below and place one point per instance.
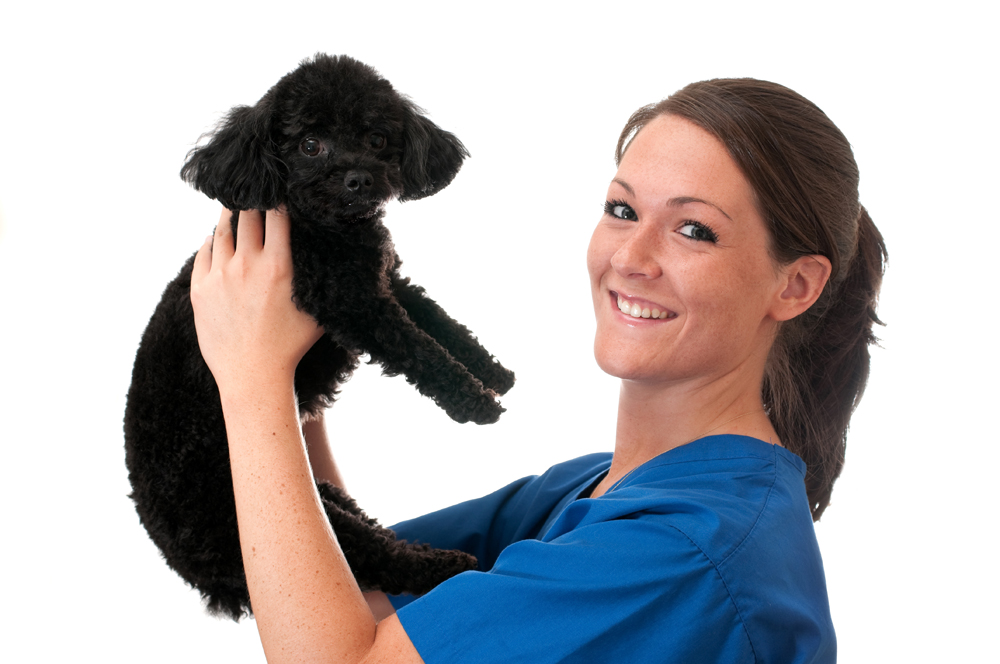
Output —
(802, 171)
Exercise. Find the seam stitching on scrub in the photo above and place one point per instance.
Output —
(729, 593)
(749, 535)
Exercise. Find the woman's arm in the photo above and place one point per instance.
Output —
(307, 604)
(325, 469)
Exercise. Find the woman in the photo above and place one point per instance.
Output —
(734, 277)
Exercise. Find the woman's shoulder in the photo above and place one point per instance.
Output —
(730, 495)
(714, 490)
(741, 505)
(732, 498)
(578, 468)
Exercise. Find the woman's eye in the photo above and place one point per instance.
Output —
(311, 147)
(377, 141)
(620, 210)
(697, 231)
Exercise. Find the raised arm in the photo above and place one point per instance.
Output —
(324, 466)
(307, 604)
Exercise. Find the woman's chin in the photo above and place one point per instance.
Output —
(624, 365)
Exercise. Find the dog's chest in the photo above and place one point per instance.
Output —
(335, 267)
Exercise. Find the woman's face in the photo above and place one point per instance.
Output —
(682, 280)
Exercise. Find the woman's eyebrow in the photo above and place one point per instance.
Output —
(673, 202)
(625, 185)
(684, 200)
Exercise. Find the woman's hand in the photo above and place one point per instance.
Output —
(249, 330)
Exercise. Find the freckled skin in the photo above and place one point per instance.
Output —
(720, 292)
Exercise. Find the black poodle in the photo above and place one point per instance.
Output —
(333, 142)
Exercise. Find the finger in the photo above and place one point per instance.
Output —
(278, 230)
(251, 231)
(222, 244)
(202, 261)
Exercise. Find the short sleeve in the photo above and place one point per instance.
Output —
(486, 526)
(521, 510)
(630, 590)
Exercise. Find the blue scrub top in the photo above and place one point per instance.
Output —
(706, 553)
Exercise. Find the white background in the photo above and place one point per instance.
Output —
(100, 102)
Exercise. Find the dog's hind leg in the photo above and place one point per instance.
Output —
(177, 456)
(381, 562)
(455, 337)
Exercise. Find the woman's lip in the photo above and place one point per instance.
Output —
(646, 309)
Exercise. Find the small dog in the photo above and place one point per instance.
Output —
(333, 142)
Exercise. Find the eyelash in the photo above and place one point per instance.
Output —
(609, 209)
(711, 236)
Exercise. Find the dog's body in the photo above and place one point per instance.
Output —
(332, 141)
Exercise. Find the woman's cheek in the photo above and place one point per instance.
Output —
(598, 262)
(594, 255)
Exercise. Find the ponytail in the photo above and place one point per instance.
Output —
(818, 367)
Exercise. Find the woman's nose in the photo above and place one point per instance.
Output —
(637, 257)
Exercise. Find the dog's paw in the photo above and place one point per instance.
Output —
(482, 408)
(497, 378)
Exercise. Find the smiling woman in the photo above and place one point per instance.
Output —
(734, 277)
(804, 183)
(667, 243)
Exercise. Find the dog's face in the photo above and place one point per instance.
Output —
(339, 129)
(332, 140)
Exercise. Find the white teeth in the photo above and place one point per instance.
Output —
(635, 311)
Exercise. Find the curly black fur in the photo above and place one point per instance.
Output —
(333, 142)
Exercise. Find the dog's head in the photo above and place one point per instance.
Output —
(332, 140)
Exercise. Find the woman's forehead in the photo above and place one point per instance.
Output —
(673, 161)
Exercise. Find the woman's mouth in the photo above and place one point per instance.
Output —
(639, 308)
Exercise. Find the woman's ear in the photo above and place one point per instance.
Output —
(801, 285)
(239, 166)
(431, 156)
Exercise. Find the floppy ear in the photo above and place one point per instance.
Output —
(431, 156)
(239, 166)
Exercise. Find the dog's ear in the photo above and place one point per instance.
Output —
(431, 156)
(239, 166)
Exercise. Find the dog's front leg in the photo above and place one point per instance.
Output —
(381, 328)
(457, 339)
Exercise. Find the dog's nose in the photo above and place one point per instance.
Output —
(358, 179)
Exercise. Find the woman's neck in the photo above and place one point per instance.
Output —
(654, 418)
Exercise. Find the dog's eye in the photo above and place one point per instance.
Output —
(377, 141)
(311, 147)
